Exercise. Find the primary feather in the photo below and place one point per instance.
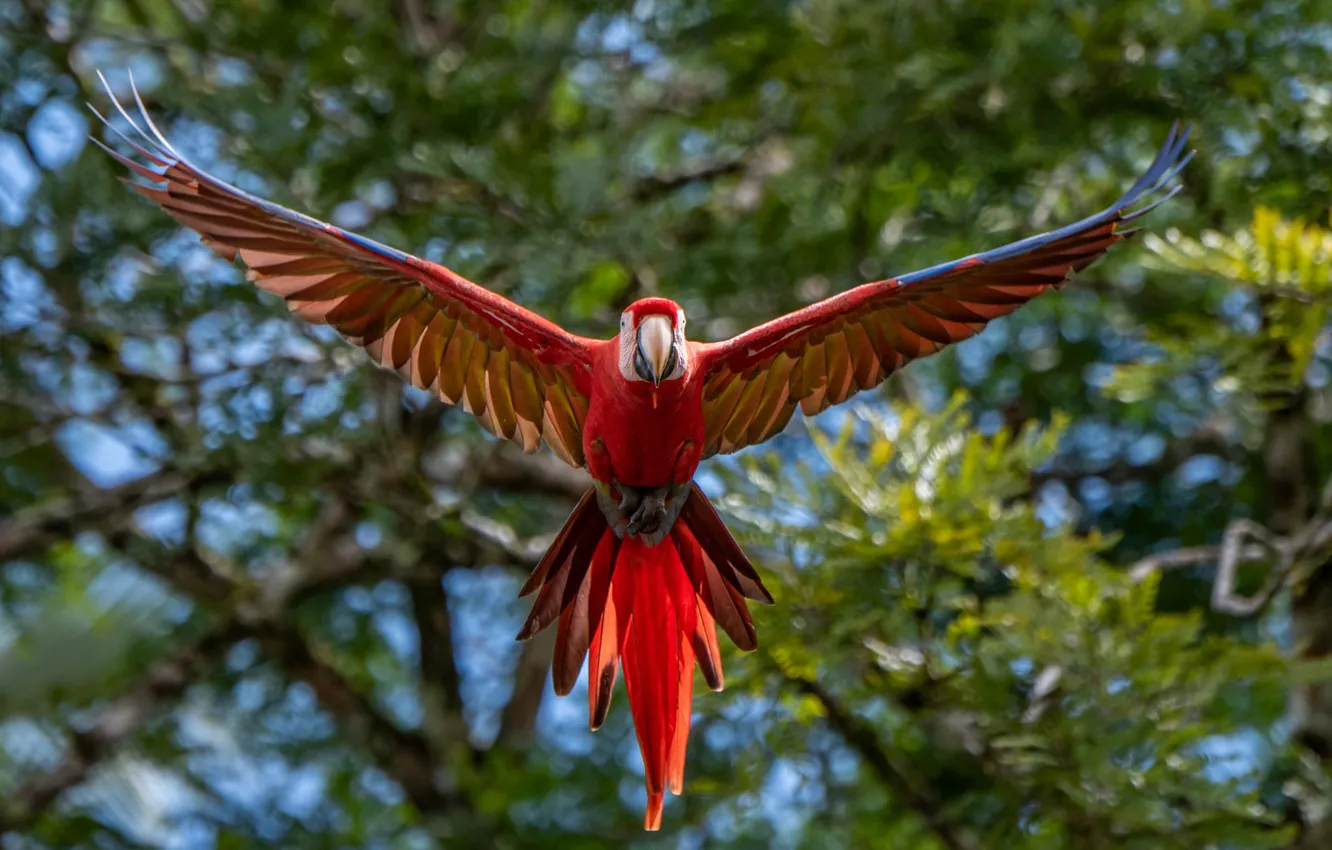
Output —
(825, 353)
(523, 377)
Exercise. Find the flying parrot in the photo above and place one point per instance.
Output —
(644, 570)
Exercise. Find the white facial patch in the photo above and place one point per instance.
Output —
(629, 346)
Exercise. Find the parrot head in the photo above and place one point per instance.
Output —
(652, 343)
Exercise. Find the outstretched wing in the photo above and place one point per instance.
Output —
(524, 378)
(823, 354)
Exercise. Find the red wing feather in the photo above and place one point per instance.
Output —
(827, 352)
(524, 378)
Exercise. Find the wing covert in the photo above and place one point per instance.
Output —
(824, 353)
(523, 377)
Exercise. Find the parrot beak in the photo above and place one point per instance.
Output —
(656, 349)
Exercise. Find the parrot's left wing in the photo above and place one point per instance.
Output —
(524, 378)
(825, 353)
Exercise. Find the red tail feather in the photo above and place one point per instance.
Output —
(651, 610)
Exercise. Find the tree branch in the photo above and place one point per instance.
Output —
(327, 558)
(1203, 441)
(897, 778)
(1225, 600)
(403, 755)
(1306, 546)
(443, 722)
(506, 467)
(41, 526)
(121, 719)
(1190, 556)
(662, 184)
(518, 720)
(261, 612)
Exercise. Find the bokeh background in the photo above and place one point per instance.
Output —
(253, 593)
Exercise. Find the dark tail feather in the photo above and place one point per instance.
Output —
(562, 569)
(604, 661)
(541, 572)
(719, 598)
(652, 611)
(721, 548)
(706, 649)
(723, 577)
(580, 620)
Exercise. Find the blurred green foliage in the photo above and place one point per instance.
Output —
(254, 594)
(1008, 663)
(1288, 265)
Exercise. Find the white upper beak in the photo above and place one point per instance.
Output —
(656, 337)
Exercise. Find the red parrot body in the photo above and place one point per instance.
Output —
(644, 571)
(633, 438)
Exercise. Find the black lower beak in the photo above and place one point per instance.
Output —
(643, 367)
(669, 367)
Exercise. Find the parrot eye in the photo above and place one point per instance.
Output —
(641, 365)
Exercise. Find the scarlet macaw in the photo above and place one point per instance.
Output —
(644, 569)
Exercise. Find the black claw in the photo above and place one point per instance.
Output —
(630, 499)
(645, 512)
(651, 512)
(637, 519)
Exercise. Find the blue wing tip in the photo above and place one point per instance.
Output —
(1166, 166)
(372, 246)
(1169, 162)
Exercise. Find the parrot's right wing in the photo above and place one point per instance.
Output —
(825, 353)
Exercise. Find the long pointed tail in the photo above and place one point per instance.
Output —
(650, 610)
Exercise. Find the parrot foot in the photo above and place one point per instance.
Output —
(630, 500)
(652, 511)
(648, 513)
(647, 518)
(613, 511)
